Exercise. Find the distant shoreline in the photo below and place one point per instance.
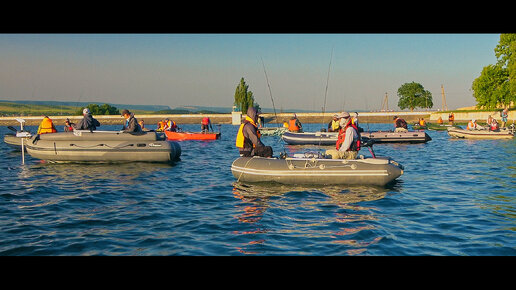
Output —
(369, 117)
(364, 117)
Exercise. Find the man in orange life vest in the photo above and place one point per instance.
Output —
(46, 126)
(348, 142)
(294, 125)
(248, 137)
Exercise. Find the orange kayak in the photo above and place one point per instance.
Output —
(180, 136)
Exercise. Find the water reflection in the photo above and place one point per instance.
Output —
(60, 182)
(351, 218)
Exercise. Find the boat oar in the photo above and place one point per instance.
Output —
(12, 128)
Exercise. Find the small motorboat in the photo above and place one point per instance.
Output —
(316, 170)
(455, 132)
(182, 136)
(396, 137)
(310, 138)
(102, 146)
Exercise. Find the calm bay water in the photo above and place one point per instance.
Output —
(456, 197)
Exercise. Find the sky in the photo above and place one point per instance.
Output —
(205, 69)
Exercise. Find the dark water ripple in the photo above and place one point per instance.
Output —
(456, 197)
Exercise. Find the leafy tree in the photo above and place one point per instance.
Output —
(414, 95)
(243, 97)
(491, 88)
(496, 84)
(105, 109)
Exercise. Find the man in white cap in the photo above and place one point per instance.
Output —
(87, 122)
(348, 142)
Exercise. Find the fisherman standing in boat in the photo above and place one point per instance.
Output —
(206, 125)
(400, 125)
(87, 122)
(504, 114)
(131, 123)
(248, 137)
(348, 142)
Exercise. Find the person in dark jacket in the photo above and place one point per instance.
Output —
(131, 123)
(248, 137)
(87, 122)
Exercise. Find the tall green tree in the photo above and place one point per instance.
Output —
(491, 88)
(243, 97)
(413, 95)
(496, 84)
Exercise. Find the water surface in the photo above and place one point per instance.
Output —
(456, 197)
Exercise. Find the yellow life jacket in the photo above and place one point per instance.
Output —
(335, 125)
(46, 126)
(240, 135)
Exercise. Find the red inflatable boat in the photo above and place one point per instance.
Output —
(181, 136)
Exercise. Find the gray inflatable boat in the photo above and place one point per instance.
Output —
(103, 146)
(367, 171)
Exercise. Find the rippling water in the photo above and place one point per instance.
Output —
(456, 197)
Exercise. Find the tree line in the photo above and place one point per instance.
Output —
(496, 85)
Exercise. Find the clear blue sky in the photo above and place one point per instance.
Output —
(204, 69)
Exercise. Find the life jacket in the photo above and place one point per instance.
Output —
(205, 121)
(422, 123)
(240, 135)
(440, 120)
(451, 117)
(355, 144)
(335, 125)
(471, 125)
(292, 125)
(161, 126)
(170, 125)
(46, 126)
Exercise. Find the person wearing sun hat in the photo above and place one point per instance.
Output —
(348, 142)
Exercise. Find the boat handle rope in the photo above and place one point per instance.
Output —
(101, 144)
(242, 172)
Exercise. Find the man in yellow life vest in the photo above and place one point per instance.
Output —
(160, 126)
(248, 137)
(334, 124)
(46, 126)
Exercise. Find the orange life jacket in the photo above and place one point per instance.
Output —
(205, 121)
(46, 126)
(292, 125)
(240, 135)
(471, 125)
(355, 145)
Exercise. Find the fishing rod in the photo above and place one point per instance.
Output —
(270, 92)
(274, 108)
(326, 93)
(327, 81)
